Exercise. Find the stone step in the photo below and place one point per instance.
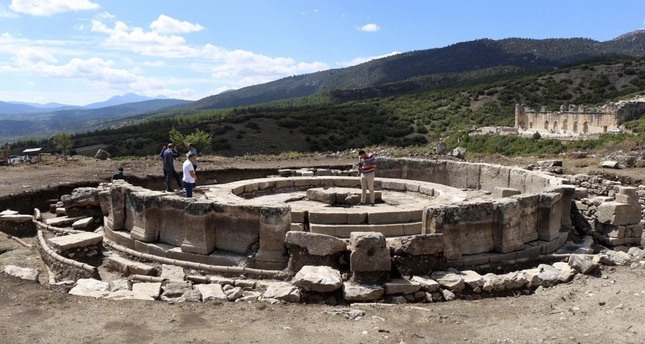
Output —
(388, 230)
(370, 215)
(62, 221)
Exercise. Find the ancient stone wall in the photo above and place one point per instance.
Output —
(578, 119)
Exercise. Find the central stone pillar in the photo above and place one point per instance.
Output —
(274, 224)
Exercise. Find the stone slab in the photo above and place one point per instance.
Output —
(72, 241)
(149, 289)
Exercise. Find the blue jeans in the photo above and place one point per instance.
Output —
(189, 189)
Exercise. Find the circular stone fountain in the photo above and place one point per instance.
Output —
(484, 213)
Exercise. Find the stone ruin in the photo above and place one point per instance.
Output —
(438, 228)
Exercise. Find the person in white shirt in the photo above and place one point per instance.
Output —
(189, 174)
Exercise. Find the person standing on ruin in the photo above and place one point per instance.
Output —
(367, 169)
(168, 157)
(190, 177)
(192, 150)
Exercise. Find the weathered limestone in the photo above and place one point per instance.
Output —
(282, 291)
(449, 280)
(582, 264)
(401, 286)
(274, 224)
(128, 267)
(618, 214)
(417, 254)
(354, 292)
(427, 283)
(370, 261)
(172, 272)
(307, 248)
(199, 232)
(505, 192)
(75, 241)
(211, 292)
(22, 273)
(83, 202)
(147, 289)
(322, 279)
(90, 287)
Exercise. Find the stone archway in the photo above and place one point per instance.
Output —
(575, 127)
(555, 126)
(565, 124)
(546, 125)
(585, 127)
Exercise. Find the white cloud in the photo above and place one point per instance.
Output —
(369, 28)
(51, 7)
(166, 24)
(148, 43)
(244, 68)
(359, 60)
(154, 63)
(6, 14)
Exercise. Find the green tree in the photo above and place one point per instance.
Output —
(63, 142)
(199, 138)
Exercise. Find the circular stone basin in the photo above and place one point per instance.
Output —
(329, 205)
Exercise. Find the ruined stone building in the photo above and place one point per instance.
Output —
(578, 119)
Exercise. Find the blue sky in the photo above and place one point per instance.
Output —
(82, 51)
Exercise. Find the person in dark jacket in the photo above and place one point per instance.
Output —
(168, 157)
(119, 175)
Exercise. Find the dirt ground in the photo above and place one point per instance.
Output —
(605, 309)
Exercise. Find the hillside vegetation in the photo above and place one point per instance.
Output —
(408, 100)
(321, 123)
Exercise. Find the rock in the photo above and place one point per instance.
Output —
(352, 314)
(128, 267)
(369, 252)
(180, 292)
(619, 258)
(426, 283)
(448, 295)
(401, 286)
(397, 300)
(472, 279)
(222, 280)
(416, 245)
(618, 214)
(510, 281)
(211, 292)
(22, 273)
(234, 293)
(249, 296)
(175, 289)
(582, 264)
(358, 292)
(172, 272)
(448, 280)
(566, 271)
(75, 241)
(90, 287)
(610, 164)
(316, 244)
(544, 275)
(192, 295)
(101, 155)
(636, 252)
(147, 289)
(83, 224)
(282, 291)
(459, 153)
(119, 284)
(322, 279)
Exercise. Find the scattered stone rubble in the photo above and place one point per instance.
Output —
(323, 284)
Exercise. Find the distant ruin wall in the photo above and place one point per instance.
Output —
(578, 119)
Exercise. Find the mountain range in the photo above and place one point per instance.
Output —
(411, 67)
(19, 120)
(475, 64)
